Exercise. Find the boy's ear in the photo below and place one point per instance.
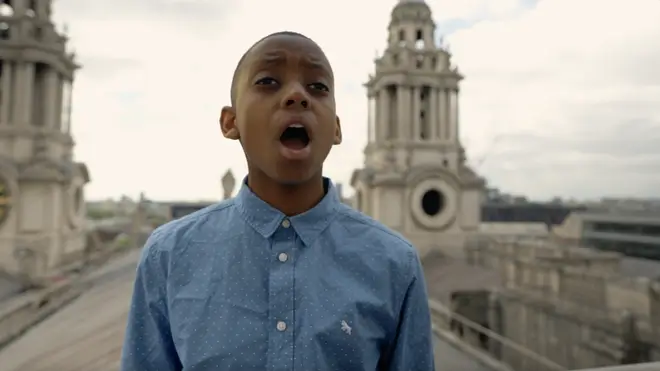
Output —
(228, 123)
(338, 136)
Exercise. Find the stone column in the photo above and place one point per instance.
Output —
(428, 37)
(370, 119)
(433, 115)
(403, 105)
(443, 116)
(19, 7)
(59, 101)
(7, 93)
(382, 117)
(449, 114)
(416, 108)
(24, 99)
(41, 10)
(69, 105)
(51, 120)
(454, 116)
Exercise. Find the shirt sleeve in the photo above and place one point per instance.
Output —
(148, 344)
(413, 347)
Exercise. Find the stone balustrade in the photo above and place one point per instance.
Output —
(568, 273)
(569, 303)
(19, 314)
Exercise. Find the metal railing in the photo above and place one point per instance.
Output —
(653, 366)
(443, 317)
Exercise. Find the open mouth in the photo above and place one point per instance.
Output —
(295, 137)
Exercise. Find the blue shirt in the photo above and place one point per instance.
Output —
(238, 286)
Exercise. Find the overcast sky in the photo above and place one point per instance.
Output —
(561, 97)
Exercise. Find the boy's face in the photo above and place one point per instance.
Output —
(284, 113)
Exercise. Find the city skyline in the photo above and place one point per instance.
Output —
(560, 109)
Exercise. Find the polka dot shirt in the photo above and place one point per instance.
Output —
(239, 286)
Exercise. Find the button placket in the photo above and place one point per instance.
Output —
(281, 295)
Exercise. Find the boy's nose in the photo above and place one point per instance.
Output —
(296, 99)
(291, 102)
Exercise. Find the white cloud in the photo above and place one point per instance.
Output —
(157, 73)
(576, 73)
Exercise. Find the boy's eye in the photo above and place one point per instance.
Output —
(266, 81)
(319, 86)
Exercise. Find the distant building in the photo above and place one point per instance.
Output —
(635, 234)
(550, 214)
(494, 195)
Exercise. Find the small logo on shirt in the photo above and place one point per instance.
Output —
(346, 328)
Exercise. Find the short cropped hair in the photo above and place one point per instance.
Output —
(237, 71)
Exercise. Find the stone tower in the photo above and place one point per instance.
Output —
(42, 207)
(415, 177)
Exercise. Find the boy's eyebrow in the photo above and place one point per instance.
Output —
(275, 58)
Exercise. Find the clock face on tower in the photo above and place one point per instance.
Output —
(5, 200)
(434, 203)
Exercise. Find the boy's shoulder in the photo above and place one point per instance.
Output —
(375, 233)
(170, 234)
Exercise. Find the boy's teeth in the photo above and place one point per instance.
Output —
(295, 126)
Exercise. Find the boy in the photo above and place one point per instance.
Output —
(284, 276)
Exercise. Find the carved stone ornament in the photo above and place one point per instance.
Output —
(228, 184)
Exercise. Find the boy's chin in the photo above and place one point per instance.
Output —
(293, 177)
(292, 181)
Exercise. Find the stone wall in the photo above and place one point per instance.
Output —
(569, 304)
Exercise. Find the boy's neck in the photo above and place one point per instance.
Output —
(289, 199)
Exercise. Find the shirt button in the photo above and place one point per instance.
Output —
(283, 257)
(281, 326)
(286, 223)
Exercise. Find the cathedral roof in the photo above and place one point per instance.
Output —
(404, 3)
(411, 10)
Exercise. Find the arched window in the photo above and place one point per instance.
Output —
(6, 10)
(419, 39)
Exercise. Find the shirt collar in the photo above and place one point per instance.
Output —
(265, 219)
